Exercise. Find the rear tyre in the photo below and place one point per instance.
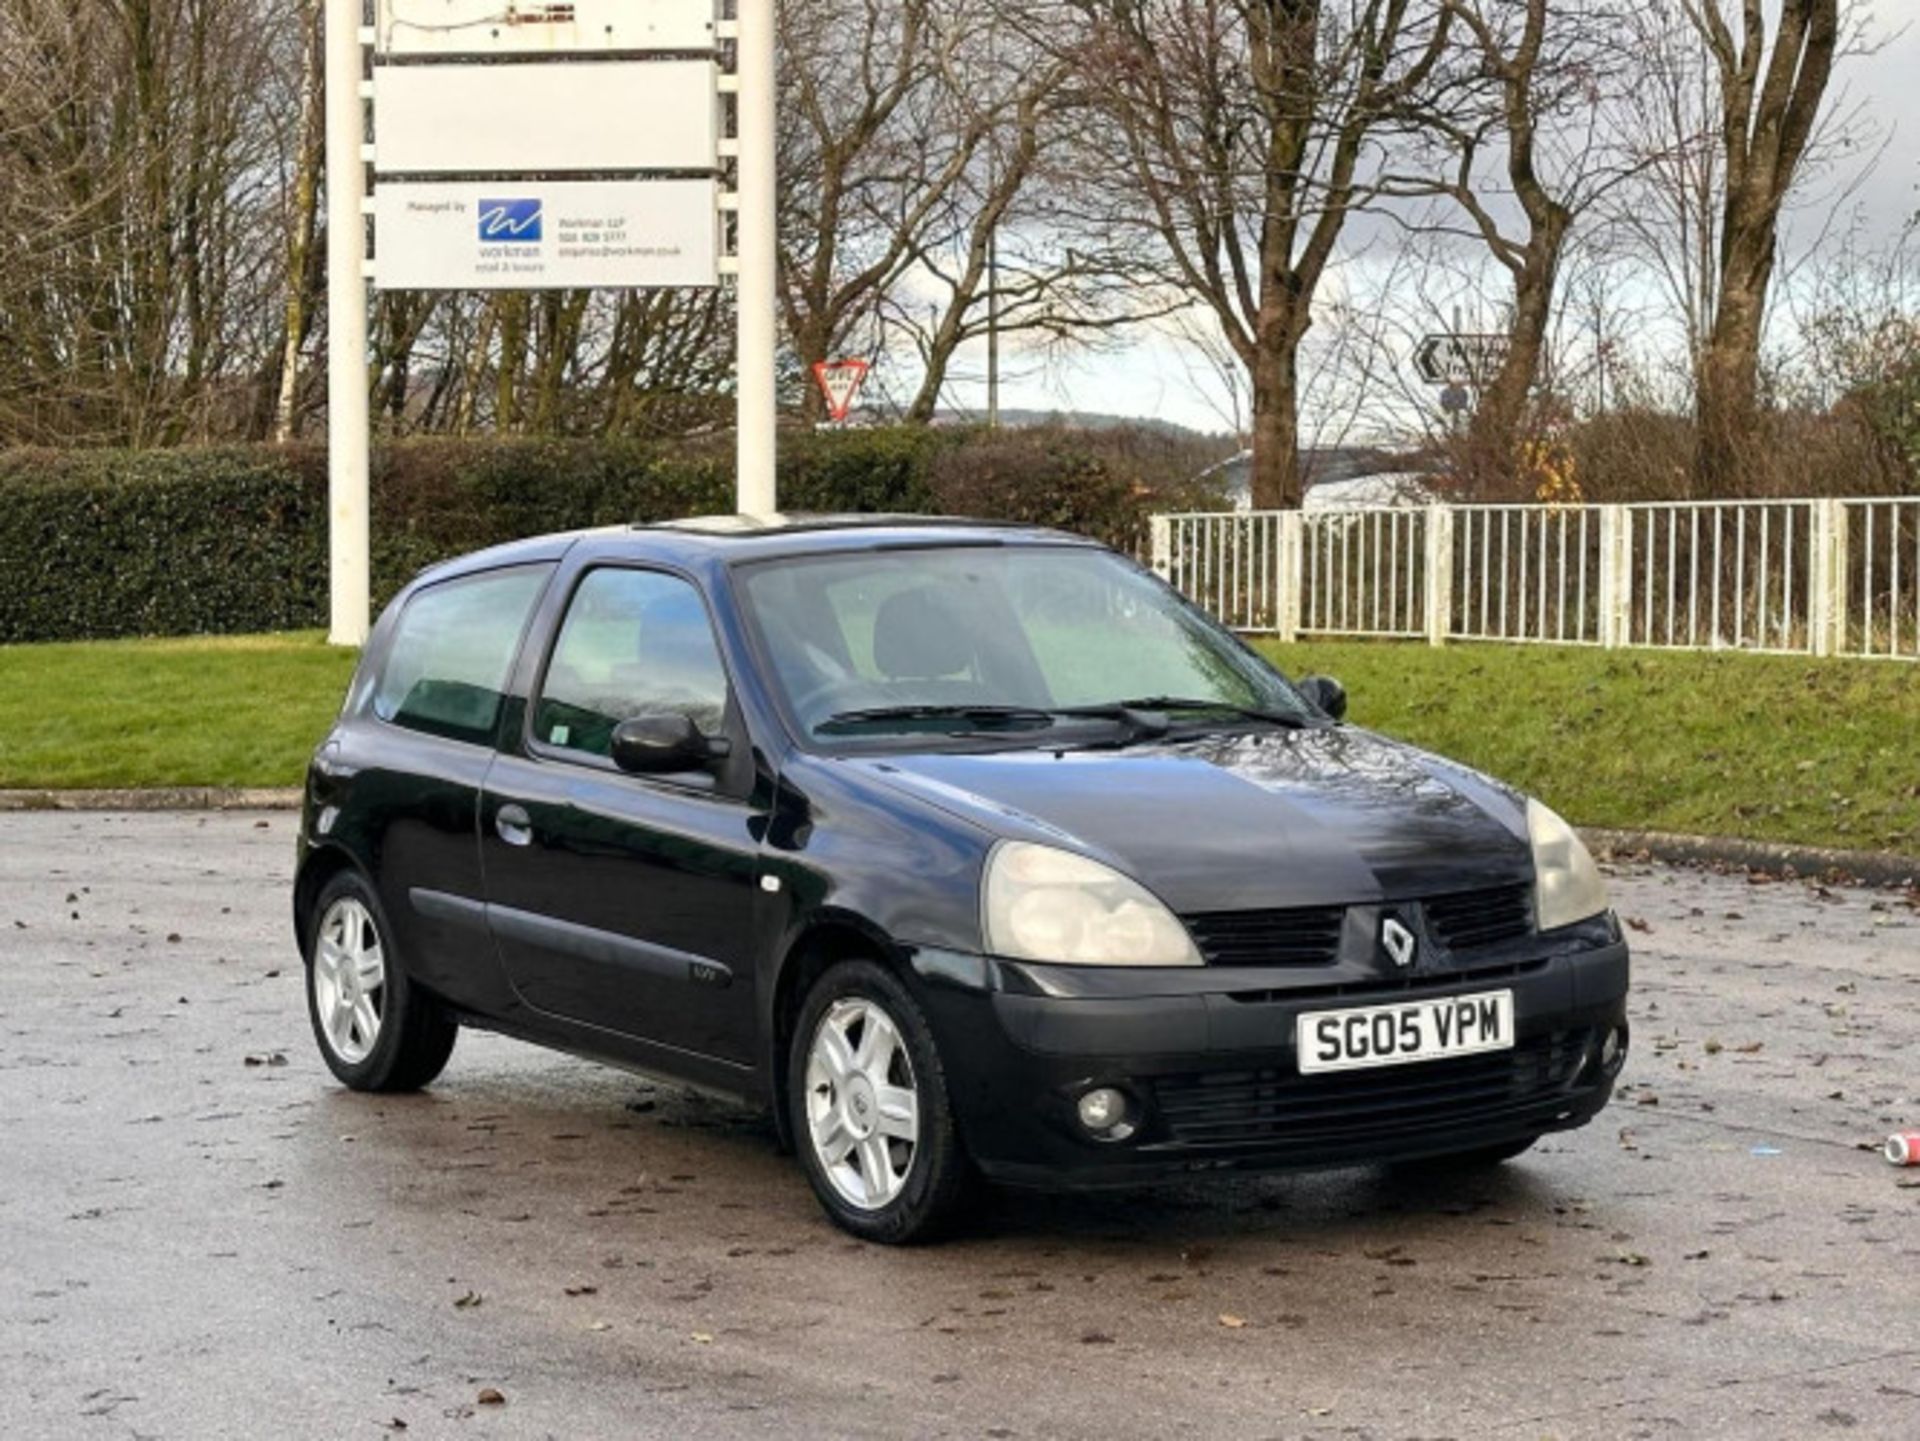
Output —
(377, 1031)
(867, 1101)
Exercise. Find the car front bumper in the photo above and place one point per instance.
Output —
(1211, 1073)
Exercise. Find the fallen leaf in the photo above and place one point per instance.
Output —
(1639, 925)
(491, 1397)
(1232, 1322)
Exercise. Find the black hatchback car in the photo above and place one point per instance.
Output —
(968, 850)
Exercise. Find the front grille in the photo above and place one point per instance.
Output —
(1481, 918)
(1302, 936)
(1310, 935)
(1280, 1110)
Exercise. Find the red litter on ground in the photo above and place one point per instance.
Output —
(1903, 1148)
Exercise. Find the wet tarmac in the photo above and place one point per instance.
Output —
(202, 1236)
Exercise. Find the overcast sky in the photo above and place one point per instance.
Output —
(1159, 377)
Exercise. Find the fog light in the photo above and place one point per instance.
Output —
(1104, 1112)
(1611, 1047)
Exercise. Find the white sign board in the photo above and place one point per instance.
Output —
(545, 116)
(546, 235)
(498, 27)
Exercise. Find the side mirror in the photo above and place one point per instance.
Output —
(1326, 693)
(663, 744)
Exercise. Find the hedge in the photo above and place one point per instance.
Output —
(102, 544)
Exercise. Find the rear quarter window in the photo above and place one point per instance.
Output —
(446, 669)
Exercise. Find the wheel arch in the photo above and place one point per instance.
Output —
(825, 940)
(319, 866)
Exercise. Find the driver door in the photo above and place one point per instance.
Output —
(625, 902)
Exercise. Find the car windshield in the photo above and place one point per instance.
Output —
(999, 640)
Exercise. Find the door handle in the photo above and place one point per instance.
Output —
(514, 825)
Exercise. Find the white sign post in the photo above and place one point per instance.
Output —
(348, 428)
(570, 146)
(758, 246)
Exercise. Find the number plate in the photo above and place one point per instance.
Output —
(1400, 1034)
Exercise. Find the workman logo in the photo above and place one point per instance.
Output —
(510, 222)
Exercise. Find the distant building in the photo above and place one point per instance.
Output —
(1336, 479)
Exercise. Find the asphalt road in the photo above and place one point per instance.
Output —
(196, 1245)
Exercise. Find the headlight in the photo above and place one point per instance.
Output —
(1043, 904)
(1567, 884)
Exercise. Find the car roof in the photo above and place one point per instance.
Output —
(739, 538)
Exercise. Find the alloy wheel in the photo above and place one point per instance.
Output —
(863, 1107)
(350, 980)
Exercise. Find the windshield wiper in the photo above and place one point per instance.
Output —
(982, 716)
(1146, 719)
(1176, 705)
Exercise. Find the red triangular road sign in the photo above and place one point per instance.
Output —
(840, 382)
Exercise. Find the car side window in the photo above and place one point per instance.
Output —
(446, 670)
(634, 643)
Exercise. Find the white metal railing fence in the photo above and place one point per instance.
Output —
(1799, 577)
(1526, 573)
(1364, 572)
(1879, 553)
(1721, 575)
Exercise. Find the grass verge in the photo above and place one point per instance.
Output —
(239, 711)
(1768, 748)
(1804, 752)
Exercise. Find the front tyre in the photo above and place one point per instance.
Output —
(377, 1031)
(869, 1108)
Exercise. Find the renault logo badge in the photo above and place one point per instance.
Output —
(1398, 942)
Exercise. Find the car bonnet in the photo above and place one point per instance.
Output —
(1243, 821)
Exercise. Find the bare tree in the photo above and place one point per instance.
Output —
(138, 201)
(1243, 134)
(305, 275)
(922, 179)
(1010, 257)
(872, 153)
(1771, 87)
(1530, 142)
